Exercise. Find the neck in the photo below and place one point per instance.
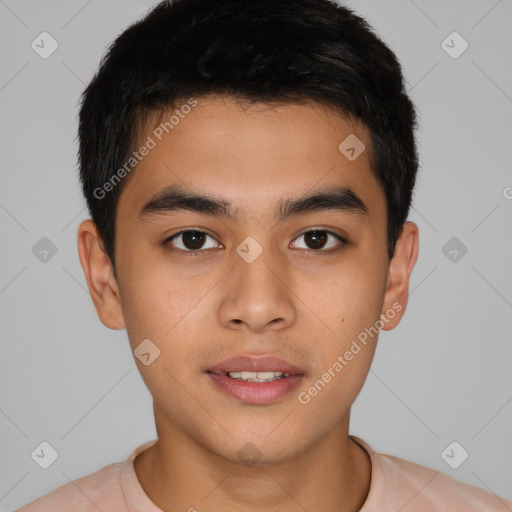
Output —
(179, 474)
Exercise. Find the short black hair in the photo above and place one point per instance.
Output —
(274, 51)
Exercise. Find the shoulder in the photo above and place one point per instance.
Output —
(430, 489)
(90, 493)
(399, 484)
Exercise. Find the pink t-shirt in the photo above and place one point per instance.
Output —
(396, 485)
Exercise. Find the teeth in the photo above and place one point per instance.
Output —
(257, 376)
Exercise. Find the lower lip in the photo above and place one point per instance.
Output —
(256, 393)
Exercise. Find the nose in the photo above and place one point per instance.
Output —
(258, 296)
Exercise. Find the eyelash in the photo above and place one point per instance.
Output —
(193, 253)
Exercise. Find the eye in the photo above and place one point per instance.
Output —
(191, 241)
(316, 239)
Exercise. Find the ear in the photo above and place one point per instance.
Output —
(99, 274)
(399, 272)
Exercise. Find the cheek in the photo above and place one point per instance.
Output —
(157, 322)
(163, 307)
(153, 296)
(350, 308)
(350, 301)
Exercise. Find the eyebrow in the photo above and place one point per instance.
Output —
(175, 198)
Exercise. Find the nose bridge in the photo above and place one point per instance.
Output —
(259, 294)
(257, 267)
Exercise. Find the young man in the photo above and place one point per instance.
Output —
(249, 167)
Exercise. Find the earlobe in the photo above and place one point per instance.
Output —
(399, 273)
(98, 272)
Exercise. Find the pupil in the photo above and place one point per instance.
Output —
(318, 239)
(193, 239)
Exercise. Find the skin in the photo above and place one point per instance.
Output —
(295, 301)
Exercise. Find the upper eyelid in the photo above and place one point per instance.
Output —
(341, 238)
(319, 228)
(175, 235)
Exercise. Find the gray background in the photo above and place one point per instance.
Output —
(443, 375)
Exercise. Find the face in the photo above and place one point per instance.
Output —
(254, 270)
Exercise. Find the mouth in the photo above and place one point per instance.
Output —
(247, 376)
(256, 381)
(250, 364)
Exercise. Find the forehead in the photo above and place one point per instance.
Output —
(254, 154)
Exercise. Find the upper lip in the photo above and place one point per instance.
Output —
(255, 364)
